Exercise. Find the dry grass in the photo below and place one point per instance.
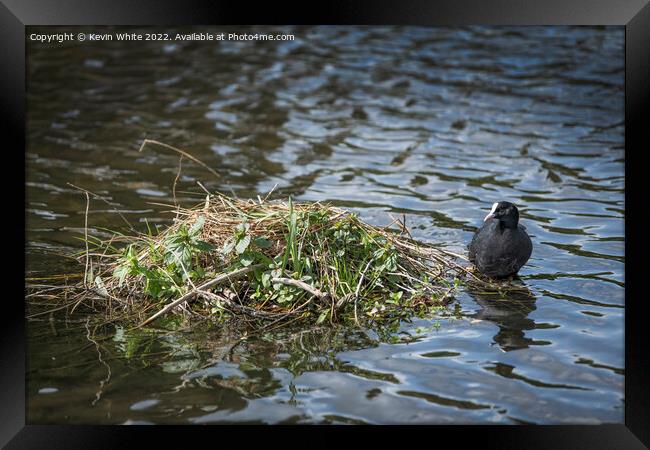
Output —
(265, 262)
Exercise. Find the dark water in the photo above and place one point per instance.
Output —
(433, 123)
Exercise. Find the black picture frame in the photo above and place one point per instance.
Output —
(633, 14)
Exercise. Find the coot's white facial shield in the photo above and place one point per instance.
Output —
(491, 213)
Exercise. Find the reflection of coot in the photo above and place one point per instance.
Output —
(501, 246)
(509, 313)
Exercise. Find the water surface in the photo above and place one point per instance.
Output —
(433, 123)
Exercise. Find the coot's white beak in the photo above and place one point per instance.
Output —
(491, 213)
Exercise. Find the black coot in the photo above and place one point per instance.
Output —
(501, 246)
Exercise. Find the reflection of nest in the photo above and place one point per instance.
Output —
(305, 350)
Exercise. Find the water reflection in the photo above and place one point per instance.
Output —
(433, 123)
(510, 313)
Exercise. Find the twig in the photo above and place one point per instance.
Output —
(178, 175)
(99, 393)
(86, 240)
(246, 310)
(445, 295)
(182, 152)
(405, 228)
(49, 311)
(356, 293)
(105, 201)
(203, 187)
(203, 287)
(302, 285)
(270, 192)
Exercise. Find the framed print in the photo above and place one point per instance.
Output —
(399, 218)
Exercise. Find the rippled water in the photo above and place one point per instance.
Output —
(434, 123)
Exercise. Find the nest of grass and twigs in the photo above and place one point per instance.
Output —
(267, 262)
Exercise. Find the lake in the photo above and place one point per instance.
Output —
(432, 123)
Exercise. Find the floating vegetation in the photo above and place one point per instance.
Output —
(268, 261)
(264, 263)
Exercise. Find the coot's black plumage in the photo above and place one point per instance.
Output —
(501, 246)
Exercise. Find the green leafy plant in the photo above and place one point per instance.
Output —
(171, 262)
(260, 261)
